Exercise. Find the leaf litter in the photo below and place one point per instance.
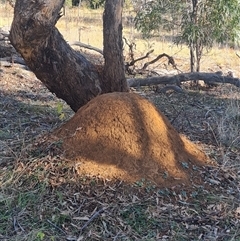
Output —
(43, 198)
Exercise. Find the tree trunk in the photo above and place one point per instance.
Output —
(193, 44)
(62, 70)
(114, 72)
(192, 58)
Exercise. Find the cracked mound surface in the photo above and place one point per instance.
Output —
(123, 136)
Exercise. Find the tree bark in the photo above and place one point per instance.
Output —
(192, 58)
(114, 72)
(193, 43)
(62, 70)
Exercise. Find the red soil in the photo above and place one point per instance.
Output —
(123, 136)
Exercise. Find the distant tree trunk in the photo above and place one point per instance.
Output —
(195, 57)
(62, 70)
(196, 46)
(114, 72)
(198, 55)
(192, 58)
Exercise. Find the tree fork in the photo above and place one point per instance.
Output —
(63, 71)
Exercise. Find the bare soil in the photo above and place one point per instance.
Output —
(123, 136)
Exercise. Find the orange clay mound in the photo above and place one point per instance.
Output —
(123, 136)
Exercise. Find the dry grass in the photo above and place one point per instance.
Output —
(86, 26)
(42, 198)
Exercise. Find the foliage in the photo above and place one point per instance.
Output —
(198, 23)
(154, 16)
(94, 4)
(68, 3)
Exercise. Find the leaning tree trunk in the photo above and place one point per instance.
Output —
(63, 71)
(114, 73)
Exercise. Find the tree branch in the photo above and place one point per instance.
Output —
(170, 61)
(130, 48)
(141, 58)
(15, 59)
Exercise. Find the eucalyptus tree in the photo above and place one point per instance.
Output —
(197, 23)
(62, 70)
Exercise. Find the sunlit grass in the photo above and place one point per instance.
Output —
(86, 26)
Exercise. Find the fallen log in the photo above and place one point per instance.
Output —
(208, 78)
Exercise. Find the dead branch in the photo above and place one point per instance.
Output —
(130, 47)
(132, 70)
(170, 61)
(3, 35)
(96, 214)
(141, 58)
(55, 226)
(208, 78)
(131, 54)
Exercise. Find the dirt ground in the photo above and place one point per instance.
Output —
(123, 136)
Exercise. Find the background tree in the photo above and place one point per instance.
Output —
(197, 23)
